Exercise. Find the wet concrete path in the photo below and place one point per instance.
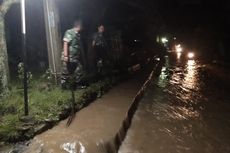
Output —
(186, 110)
(94, 126)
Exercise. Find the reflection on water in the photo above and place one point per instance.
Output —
(190, 79)
(162, 79)
(179, 56)
(176, 115)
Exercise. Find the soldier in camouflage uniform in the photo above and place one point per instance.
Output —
(100, 48)
(72, 70)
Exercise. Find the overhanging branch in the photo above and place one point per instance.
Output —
(6, 4)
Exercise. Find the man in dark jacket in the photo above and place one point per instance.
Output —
(100, 48)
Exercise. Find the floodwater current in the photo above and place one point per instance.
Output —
(186, 110)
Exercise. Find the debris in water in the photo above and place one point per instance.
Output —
(72, 147)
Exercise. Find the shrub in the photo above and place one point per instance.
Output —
(21, 73)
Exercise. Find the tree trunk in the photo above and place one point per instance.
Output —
(53, 34)
(4, 65)
(4, 68)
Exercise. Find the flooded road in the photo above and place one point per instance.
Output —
(94, 128)
(186, 110)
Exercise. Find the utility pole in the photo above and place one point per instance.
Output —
(25, 82)
(53, 36)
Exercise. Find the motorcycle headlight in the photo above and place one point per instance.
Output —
(191, 55)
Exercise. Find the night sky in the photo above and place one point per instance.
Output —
(198, 23)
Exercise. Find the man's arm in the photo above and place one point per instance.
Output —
(66, 41)
(66, 53)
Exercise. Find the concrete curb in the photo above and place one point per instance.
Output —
(113, 145)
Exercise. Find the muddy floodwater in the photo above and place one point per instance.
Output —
(93, 129)
(186, 110)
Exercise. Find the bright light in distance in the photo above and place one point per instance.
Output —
(157, 59)
(164, 40)
(179, 49)
(191, 55)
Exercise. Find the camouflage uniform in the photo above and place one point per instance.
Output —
(72, 70)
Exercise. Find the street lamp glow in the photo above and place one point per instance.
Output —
(23, 16)
(157, 59)
(164, 40)
(179, 49)
(191, 55)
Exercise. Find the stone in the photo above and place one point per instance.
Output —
(40, 128)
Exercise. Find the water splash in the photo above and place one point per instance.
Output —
(73, 147)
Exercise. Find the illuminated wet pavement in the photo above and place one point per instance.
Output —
(186, 110)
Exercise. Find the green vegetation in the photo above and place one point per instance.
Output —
(48, 104)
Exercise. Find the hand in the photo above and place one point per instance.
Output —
(66, 59)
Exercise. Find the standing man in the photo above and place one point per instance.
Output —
(100, 48)
(72, 57)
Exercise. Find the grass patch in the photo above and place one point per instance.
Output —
(48, 104)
